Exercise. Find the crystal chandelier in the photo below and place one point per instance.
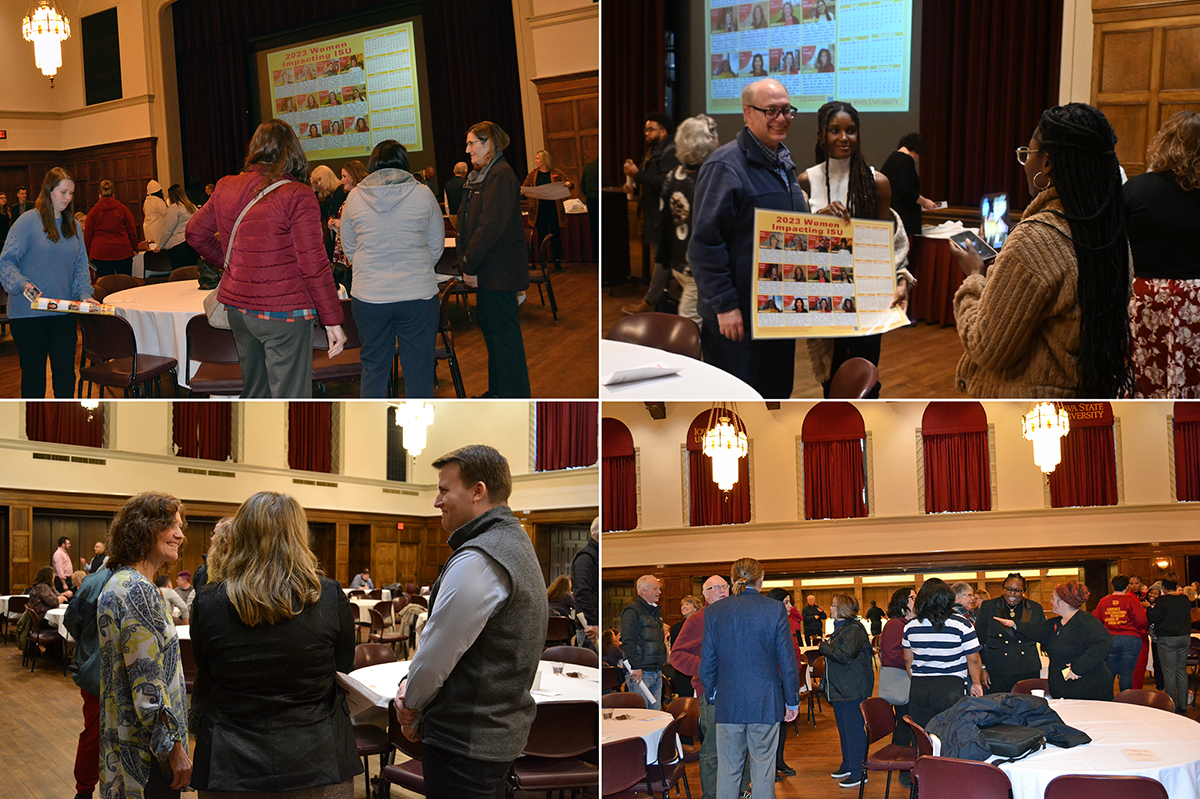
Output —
(46, 27)
(414, 418)
(90, 405)
(1044, 426)
(725, 443)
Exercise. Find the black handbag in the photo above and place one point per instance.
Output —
(210, 276)
(1013, 741)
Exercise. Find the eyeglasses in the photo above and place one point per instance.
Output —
(1023, 154)
(772, 113)
(1008, 590)
(477, 141)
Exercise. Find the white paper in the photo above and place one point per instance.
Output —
(358, 696)
(647, 372)
(1141, 756)
(547, 191)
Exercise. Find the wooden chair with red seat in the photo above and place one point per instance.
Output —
(410, 774)
(951, 778)
(550, 760)
(669, 769)
(855, 379)
(880, 722)
(1097, 786)
(16, 609)
(184, 273)
(687, 709)
(623, 699)
(386, 610)
(611, 678)
(558, 630)
(111, 284)
(446, 351)
(663, 331)
(187, 659)
(380, 634)
(370, 740)
(219, 371)
(346, 365)
(923, 739)
(1031, 685)
(816, 668)
(109, 357)
(1147, 697)
(372, 654)
(579, 655)
(623, 766)
(39, 636)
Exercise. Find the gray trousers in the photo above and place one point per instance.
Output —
(737, 741)
(275, 356)
(660, 279)
(708, 749)
(1172, 656)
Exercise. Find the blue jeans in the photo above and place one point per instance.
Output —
(385, 327)
(653, 681)
(853, 736)
(1123, 658)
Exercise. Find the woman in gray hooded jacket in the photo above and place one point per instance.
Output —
(392, 232)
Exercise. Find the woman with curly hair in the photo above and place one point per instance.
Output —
(143, 706)
(1077, 643)
(559, 595)
(1049, 318)
(1163, 205)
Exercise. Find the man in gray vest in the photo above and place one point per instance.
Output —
(467, 691)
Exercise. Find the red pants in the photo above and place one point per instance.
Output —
(1139, 671)
(87, 755)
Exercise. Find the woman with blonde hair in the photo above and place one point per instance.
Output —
(269, 635)
(549, 216)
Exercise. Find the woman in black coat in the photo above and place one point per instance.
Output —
(493, 257)
(269, 635)
(849, 679)
(1008, 657)
(1077, 643)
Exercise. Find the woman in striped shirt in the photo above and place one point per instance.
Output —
(941, 653)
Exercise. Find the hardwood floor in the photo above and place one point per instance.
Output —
(917, 361)
(563, 357)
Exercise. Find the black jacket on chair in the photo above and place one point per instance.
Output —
(266, 709)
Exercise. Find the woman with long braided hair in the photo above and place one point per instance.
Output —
(843, 184)
(1050, 319)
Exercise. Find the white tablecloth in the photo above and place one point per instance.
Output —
(55, 617)
(158, 314)
(383, 678)
(697, 380)
(363, 608)
(642, 723)
(1115, 727)
(4, 601)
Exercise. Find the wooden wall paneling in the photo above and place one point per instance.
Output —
(20, 538)
(615, 596)
(570, 106)
(1181, 58)
(383, 557)
(343, 553)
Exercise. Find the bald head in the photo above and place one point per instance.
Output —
(460, 168)
(769, 126)
(716, 588)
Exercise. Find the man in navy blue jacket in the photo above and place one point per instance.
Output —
(753, 171)
(747, 667)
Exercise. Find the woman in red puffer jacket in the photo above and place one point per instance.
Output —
(277, 280)
(110, 234)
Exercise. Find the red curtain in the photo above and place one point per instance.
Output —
(203, 430)
(64, 423)
(618, 477)
(989, 68)
(1187, 451)
(566, 435)
(710, 505)
(957, 463)
(310, 437)
(834, 473)
(1087, 474)
(633, 63)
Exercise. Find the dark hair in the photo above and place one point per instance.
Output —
(862, 194)
(161, 581)
(276, 147)
(778, 594)
(137, 525)
(1081, 146)
(898, 605)
(1073, 593)
(664, 120)
(479, 463)
(1017, 575)
(388, 154)
(357, 170)
(912, 142)
(106, 188)
(935, 603)
(63, 539)
(1120, 582)
(45, 576)
(1170, 582)
(179, 197)
(45, 207)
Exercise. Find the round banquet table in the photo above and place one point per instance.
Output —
(4, 601)
(1115, 729)
(696, 380)
(158, 314)
(383, 678)
(642, 723)
(55, 617)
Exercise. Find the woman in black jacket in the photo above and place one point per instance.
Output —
(849, 679)
(269, 636)
(1008, 657)
(493, 258)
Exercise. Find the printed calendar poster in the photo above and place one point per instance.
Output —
(343, 96)
(820, 277)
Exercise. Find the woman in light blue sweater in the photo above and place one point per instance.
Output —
(45, 250)
(392, 233)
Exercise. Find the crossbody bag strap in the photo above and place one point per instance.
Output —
(257, 197)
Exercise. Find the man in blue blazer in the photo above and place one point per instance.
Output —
(748, 668)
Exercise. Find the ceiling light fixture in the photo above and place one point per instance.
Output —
(725, 443)
(414, 418)
(46, 26)
(1045, 425)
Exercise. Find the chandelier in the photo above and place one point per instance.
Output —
(1044, 426)
(414, 418)
(90, 405)
(46, 27)
(725, 444)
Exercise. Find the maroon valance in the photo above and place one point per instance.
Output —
(615, 438)
(832, 421)
(953, 417)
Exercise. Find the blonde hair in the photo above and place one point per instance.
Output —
(325, 181)
(546, 159)
(1175, 148)
(269, 571)
(746, 571)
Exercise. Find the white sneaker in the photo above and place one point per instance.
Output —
(850, 782)
(520, 298)
(840, 775)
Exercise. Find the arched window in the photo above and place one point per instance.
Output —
(709, 505)
(833, 439)
(1186, 429)
(954, 445)
(1087, 475)
(618, 477)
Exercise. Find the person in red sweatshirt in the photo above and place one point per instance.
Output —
(1125, 619)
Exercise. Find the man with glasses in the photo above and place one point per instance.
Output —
(753, 171)
(685, 657)
(1008, 657)
(657, 164)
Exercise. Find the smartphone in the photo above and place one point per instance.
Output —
(32, 293)
(968, 240)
